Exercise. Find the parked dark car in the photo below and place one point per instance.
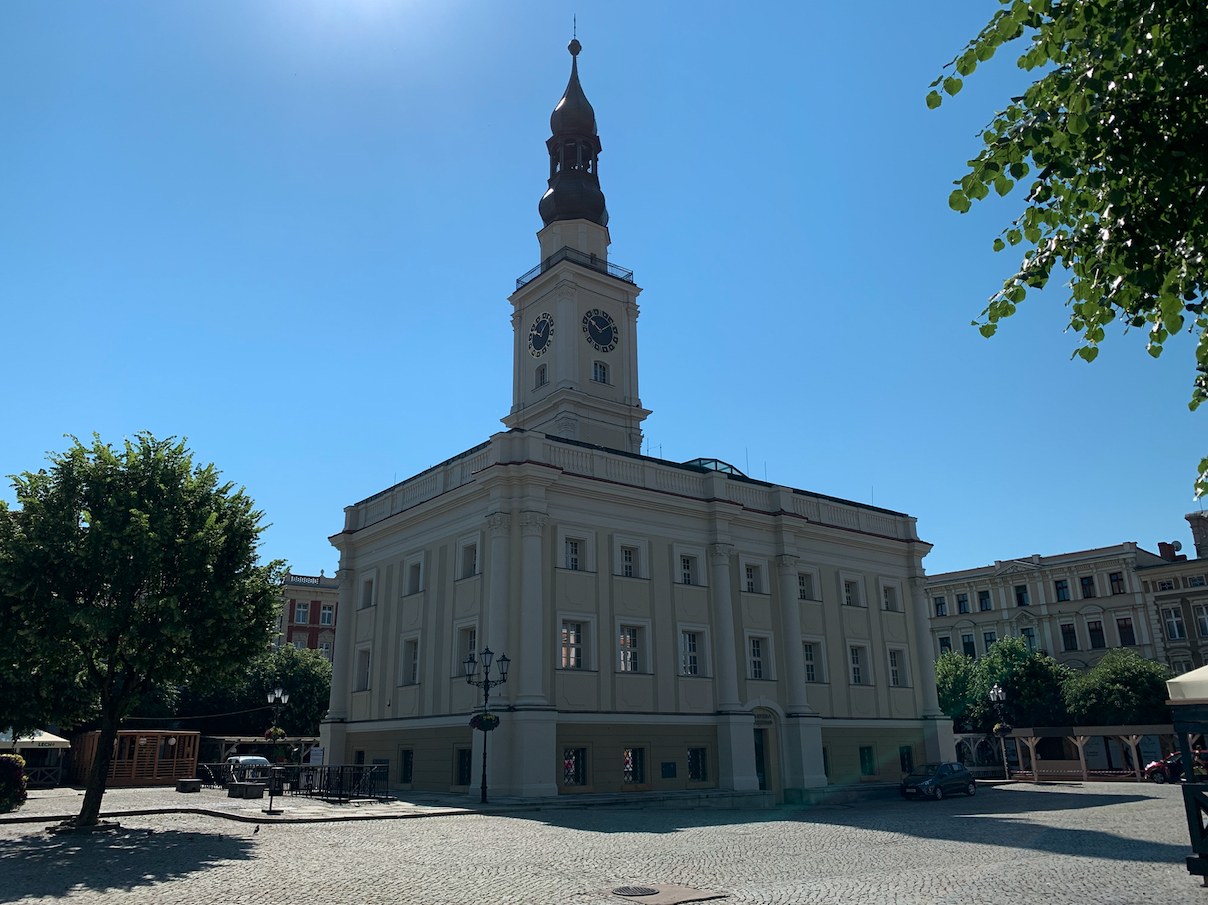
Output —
(1170, 768)
(937, 780)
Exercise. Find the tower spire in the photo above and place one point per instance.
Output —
(574, 150)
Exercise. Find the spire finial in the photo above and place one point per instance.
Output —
(574, 26)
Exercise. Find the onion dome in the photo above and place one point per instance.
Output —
(574, 150)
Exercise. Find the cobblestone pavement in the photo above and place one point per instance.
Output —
(1052, 844)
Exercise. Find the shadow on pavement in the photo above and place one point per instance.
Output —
(45, 865)
(995, 817)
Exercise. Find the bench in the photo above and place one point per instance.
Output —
(188, 785)
(245, 790)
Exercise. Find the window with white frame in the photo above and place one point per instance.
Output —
(889, 598)
(361, 676)
(540, 379)
(572, 645)
(1179, 667)
(809, 652)
(857, 665)
(299, 644)
(327, 614)
(1166, 584)
(301, 613)
(599, 372)
(983, 601)
(1173, 617)
(415, 576)
(573, 554)
(851, 592)
(325, 650)
(467, 645)
(409, 661)
(1201, 620)
(1195, 581)
(805, 586)
(898, 673)
(629, 643)
(688, 570)
(752, 578)
(469, 560)
(690, 653)
(577, 546)
(758, 658)
(367, 593)
(629, 562)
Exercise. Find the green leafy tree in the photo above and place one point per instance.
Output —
(306, 675)
(1114, 139)
(123, 570)
(1034, 684)
(1122, 689)
(956, 680)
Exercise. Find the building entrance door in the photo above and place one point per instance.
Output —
(761, 758)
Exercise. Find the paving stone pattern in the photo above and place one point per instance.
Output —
(1052, 844)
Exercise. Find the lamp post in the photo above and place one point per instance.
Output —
(278, 699)
(997, 696)
(485, 721)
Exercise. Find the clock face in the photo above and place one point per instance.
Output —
(540, 334)
(600, 330)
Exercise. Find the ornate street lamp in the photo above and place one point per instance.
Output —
(278, 699)
(998, 696)
(485, 721)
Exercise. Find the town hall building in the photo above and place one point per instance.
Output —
(670, 626)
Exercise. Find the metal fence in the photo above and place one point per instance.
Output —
(330, 782)
(566, 253)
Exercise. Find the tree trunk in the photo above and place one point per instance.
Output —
(97, 777)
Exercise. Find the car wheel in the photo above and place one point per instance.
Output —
(971, 789)
(1158, 776)
(939, 792)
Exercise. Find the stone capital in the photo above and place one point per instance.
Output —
(787, 564)
(499, 524)
(532, 523)
(719, 554)
(344, 577)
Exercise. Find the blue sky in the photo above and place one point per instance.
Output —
(288, 230)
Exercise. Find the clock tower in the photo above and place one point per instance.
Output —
(574, 319)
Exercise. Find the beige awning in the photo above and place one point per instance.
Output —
(1190, 686)
(40, 740)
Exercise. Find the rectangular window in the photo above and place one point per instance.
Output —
(325, 650)
(367, 594)
(757, 646)
(634, 766)
(988, 639)
(1069, 637)
(1021, 595)
(629, 561)
(299, 644)
(890, 596)
(941, 606)
(688, 570)
(811, 673)
(698, 765)
(327, 615)
(572, 555)
(1117, 582)
(630, 656)
(857, 673)
(1166, 584)
(968, 646)
(1201, 620)
(574, 766)
(572, 645)
(410, 670)
(413, 576)
(1062, 588)
(1029, 637)
(868, 761)
(406, 765)
(753, 585)
(895, 670)
(1094, 628)
(1088, 586)
(983, 601)
(467, 645)
(805, 586)
(1173, 617)
(1195, 581)
(362, 673)
(1125, 627)
(469, 560)
(465, 766)
(599, 372)
(962, 603)
(540, 379)
(945, 645)
(906, 758)
(688, 649)
(851, 593)
(301, 613)
(1181, 666)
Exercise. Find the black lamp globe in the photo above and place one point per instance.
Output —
(487, 657)
(471, 665)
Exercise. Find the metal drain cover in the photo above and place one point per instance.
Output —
(635, 891)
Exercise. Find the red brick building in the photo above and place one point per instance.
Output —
(308, 616)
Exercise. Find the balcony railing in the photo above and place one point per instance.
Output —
(566, 253)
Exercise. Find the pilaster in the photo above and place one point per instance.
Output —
(332, 731)
(937, 727)
(532, 628)
(725, 669)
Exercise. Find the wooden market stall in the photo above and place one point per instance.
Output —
(43, 754)
(140, 757)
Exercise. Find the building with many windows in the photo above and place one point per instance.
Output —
(1177, 588)
(309, 607)
(1075, 606)
(671, 626)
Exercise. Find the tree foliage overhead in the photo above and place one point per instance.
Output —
(1113, 144)
(1123, 688)
(123, 570)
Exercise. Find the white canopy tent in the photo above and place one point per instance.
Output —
(1190, 686)
(40, 740)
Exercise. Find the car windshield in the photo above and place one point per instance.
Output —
(925, 770)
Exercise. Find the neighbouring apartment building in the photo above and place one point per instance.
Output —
(309, 610)
(1075, 606)
(670, 625)
(1178, 590)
